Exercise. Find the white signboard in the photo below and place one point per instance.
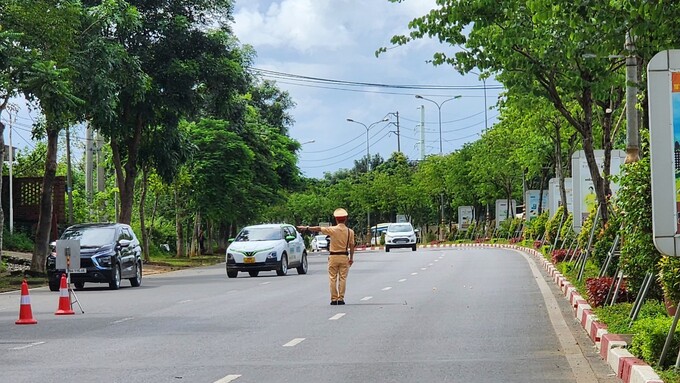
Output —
(555, 198)
(503, 212)
(663, 82)
(68, 254)
(532, 199)
(585, 198)
(466, 214)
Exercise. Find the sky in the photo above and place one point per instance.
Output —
(337, 40)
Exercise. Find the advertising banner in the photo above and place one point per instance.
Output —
(555, 198)
(503, 211)
(466, 214)
(532, 199)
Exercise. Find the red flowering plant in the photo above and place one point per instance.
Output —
(598, 288)
(558, 255)
(537, 244)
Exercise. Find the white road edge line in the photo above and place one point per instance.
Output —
(577, 361)
(228, 378)
(402, 280)
(386, 288)
(27, 346)
(337, 316)
(294, 342)
(365, 298)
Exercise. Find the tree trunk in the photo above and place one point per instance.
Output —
(42, 235)
(559, 173)
(126, 173)
(193, 246)
(178, 227)
(2, 155)
(142, 218)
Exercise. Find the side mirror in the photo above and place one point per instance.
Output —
(290, 238)
(124, 243)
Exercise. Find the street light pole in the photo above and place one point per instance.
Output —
(368, 168)
(441, 150)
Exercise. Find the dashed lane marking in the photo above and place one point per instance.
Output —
(228, 378)
(337, 316)
(402, 280)
(185, 301)
(294, 342)
(414, 273)
(365, 298)
(431, 264)
(386, 288)
(122, 320)
(423, 268)
(27, 346)
(265, 283)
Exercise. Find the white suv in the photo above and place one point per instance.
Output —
(400, 235)
(264, 248)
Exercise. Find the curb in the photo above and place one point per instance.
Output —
(612, 347)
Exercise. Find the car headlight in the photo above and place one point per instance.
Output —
(271, 255)
(104, 260)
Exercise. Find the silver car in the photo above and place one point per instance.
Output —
(319, 242)
(400, 235)
(271, 247)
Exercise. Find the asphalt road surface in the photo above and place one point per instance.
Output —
(434, 315)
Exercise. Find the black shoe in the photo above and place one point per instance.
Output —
(341, 302)
(335, 303)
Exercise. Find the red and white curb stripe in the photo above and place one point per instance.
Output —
(612, 347)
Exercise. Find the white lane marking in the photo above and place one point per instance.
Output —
(294, 342)
(265, 283)
(402, 280)
(423, 268)
(386, 288)
(337, 316)
(365, 298)
(27, 346)
(228, 378)
(436, 260)
(414, 273)
(431, 264)
(185, 301)
(122, 320)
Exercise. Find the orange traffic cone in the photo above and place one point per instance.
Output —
(64, 299)
(25, 312)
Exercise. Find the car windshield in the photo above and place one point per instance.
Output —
(91, 236)
(400, 228)
(259, 234)
(321, 237)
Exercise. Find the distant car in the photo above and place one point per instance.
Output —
(319, 242)
(276, 247)
(109, 252)
(400, 235)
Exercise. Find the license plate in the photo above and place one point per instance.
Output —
(249, 260)
(77, 271)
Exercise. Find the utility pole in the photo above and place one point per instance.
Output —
(12, 120)
(88, 167)
(422, 132)
(69, 181)
(101, 183)
(632, 131)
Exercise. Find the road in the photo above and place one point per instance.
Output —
(435, 315)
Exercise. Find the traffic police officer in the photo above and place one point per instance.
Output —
(341, 253)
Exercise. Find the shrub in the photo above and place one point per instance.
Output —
(17, 241)
(553, 224)
(598, 288)
(536, 227)
(617, 317)
(649, 336)
(669, 277)
(558, 255)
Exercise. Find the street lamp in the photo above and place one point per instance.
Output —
(307, 142)
(368, 168)
(439, 107)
